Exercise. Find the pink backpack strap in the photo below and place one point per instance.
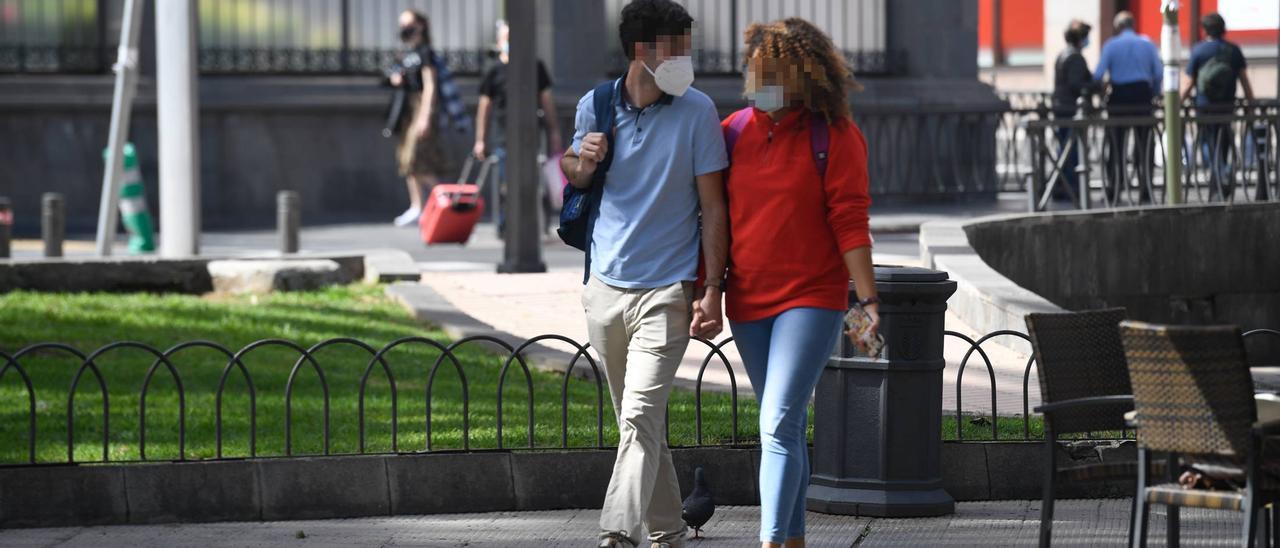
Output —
(820, 141)
(737, 122)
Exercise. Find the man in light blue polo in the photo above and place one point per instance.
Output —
(640, 300)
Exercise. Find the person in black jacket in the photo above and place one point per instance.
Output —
(1071, 81)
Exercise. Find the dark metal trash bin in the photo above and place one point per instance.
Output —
(877, 436)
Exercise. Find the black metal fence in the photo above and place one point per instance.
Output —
(249, 36)
(1117, 159)
(1023, 424)
(926, 153)
(359, 36)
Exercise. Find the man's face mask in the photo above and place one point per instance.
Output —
(673, 76)
(407, 33)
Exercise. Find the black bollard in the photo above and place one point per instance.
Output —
(6, 227)
(53, 223)
(288, 219)
(877, 422)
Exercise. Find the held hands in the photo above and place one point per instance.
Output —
(478, 150)
(593, 150)
(708, 322)
(396, 79)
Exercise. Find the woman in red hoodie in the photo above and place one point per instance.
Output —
(797, 191)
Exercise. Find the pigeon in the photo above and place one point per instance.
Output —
(698, 507)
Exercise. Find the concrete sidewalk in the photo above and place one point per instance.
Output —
(1004, 523)
(529, 305)
(484, 250)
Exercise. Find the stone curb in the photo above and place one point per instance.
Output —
(985, 300)
(183, 275)
(451, 482)
(390, 265)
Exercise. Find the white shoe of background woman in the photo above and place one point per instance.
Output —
(409, 217)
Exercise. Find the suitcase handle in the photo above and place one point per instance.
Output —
(469, 164)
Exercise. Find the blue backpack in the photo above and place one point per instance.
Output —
(577, 219)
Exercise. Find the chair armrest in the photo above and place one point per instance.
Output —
(1266, 429)
(1092, 401)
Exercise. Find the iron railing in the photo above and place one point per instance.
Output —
(1229, 155)
(359, 37)
(926, 153)
(249, 36)
(515, 362)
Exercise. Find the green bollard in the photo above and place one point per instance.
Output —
(133, 205)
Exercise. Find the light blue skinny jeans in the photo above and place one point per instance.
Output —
(784, 356)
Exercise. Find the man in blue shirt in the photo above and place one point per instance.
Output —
(1133, 64)
(1214, 68)
(640, 302)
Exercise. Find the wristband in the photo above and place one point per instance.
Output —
(874, 299)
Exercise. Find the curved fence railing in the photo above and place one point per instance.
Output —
(515, 363)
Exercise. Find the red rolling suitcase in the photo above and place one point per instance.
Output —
(451, 212)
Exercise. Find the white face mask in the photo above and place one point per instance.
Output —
(673, 76)
(768, 98)
(1084, 43)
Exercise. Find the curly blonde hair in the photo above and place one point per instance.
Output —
(811, 56)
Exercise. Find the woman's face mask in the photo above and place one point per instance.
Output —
(407, 33)
(768, 98)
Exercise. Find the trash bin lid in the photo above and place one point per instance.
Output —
(894, 273)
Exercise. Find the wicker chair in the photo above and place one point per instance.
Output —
(1194, 398)
(1084, 387)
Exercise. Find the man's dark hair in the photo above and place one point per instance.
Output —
(1213, 25)
(643, 21)
(1076, 31)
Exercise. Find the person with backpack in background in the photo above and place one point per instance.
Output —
(1213, 69)
(425, 107)
(799, 229)
(647, 156)
(1132, 64)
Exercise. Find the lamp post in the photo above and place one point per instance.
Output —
(522, 251)
(1170, 43)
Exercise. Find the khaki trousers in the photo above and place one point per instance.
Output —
(641, 335)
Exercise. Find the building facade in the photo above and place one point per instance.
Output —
(290, 95)
(1016, 37)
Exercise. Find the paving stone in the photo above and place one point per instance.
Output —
(1002, 523)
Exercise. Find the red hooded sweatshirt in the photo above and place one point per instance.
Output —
(790, 226)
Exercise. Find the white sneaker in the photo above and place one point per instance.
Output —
(409, 217)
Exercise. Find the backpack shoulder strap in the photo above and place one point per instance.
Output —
(820, 141)
(602, 103)
(737, 123)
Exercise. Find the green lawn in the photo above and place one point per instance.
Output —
(87, 321)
